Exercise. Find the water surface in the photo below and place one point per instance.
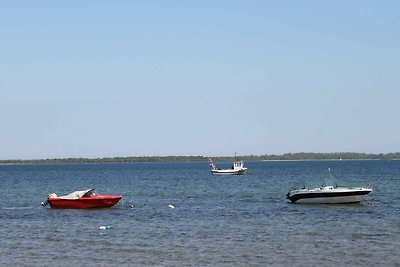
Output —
(217, 220)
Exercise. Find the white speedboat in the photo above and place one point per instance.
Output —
(328, 195)
(236, 169)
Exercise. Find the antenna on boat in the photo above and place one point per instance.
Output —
(330, 174)
(332, 178)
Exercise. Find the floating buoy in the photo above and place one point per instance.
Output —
(106, 227)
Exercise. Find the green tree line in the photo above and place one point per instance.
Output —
(287, 156)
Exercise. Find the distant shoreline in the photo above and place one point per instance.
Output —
(284, 157)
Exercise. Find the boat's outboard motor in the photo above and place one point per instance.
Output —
(46, 202)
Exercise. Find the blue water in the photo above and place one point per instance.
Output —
(217, 220)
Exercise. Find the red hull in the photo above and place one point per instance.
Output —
(97, 201)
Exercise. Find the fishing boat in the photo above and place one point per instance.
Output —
(328, 195)
(85, 199)
(236, 169)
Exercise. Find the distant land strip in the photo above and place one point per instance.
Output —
(266, 157)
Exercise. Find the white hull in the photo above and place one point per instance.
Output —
(229, 172)
(328, 195)
(332, 200)
(237, 169)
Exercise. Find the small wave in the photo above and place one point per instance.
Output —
(18, 208)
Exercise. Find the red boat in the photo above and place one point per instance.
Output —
(85, 199)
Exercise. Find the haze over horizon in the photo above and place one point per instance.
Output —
(96, 79)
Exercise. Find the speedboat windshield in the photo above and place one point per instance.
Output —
(90, 193)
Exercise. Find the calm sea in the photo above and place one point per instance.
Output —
(217, 221)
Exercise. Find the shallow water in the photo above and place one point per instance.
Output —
(217, 220)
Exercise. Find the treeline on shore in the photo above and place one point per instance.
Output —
(287, 156)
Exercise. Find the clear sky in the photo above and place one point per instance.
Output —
(142, 78)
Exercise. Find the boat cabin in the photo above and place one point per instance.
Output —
(237, 165)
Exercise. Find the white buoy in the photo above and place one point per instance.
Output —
(105, 227)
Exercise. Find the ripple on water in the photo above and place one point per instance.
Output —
(229, 221)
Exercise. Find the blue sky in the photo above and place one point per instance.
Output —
(142, 78)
